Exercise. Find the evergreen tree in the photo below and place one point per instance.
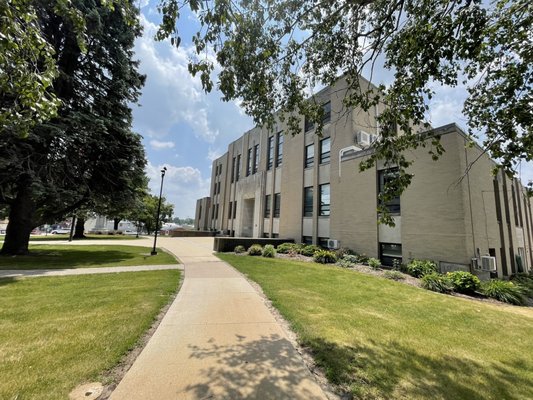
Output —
(88, 150)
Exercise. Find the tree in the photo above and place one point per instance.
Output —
(270, 52)
(88, 150)
(146, 213)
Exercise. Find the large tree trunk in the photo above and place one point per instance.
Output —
(20, 223)
(79, 231)
(116, 221)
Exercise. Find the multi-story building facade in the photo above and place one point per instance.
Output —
(308, 188)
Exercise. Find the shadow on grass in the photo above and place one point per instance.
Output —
(68, 258)
(265, 368)
(7, 280)
(393, 371)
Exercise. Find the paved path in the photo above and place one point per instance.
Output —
(30, 273)
(218, 340)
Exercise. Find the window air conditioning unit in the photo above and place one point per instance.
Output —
(488, 263)
(333, 244)
(363, 138)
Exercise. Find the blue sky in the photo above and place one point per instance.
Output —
(185, 129)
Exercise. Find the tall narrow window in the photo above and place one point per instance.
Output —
(238, 170)
(385, 176)
(324, 200)
(277, 205)
(325, 147)
(249, 162)
(308, 124)
(234, 209)
(233, 170)
(256, 159)
(326, 117)
(267, 206)
(279, 154)
(270, 155)
(308, 201)
(230, 210)
(309, 155)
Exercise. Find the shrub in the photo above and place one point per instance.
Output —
(324, 257)
(286, 248)
(436, 282)
(397, 265)
(343, 251)
(255, 250)
(525, 280)
(309, 250)
(352, 259)
(463, 282)
(419, 268)
(394, 275)
(374, 263)
(362, 258)
(239, 249)
(344, 263)
(269, 251)
(505, 291)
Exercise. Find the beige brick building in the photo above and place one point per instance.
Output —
(309, 188)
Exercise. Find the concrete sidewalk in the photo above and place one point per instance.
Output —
(218, 340)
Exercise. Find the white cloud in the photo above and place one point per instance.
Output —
(182, 186)
(158, 145)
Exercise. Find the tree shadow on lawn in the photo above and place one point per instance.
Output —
(375, 371)
(67, 258)
(265, 368)
(7, 280)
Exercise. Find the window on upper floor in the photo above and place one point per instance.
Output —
(238, 168)
(326, 117)
(233, 170)
(256, 159)
(270, 152)
(249, 162)
(325, 151)
(309, 155)
(308, 201)
(279, 146)
(385, 176)
(324, 200)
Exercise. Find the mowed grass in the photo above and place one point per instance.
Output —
(381, 339)
(84, 256)
(48, 237)
(59, 332)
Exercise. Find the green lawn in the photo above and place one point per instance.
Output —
(35, 238)
(84, 256)
(59, 332)
(385, 340)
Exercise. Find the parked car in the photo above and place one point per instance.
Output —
(60, 231)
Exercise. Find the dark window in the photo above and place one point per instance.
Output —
(390, 252)
(233, 170)
(308, 201)
(238, 170)
(385, 176)
(267, 206)
(249, 163)
(324, 200)
(277, 204)
(216, 212)
(325, 147)
(309, 155)
(323, 242)
(230, 210)
(275, 235)
(266, 235)
(327, 112)
(270, 155)
(256, 159)
(279, 153)
(308, 124)
(234, 209)
(307, 239)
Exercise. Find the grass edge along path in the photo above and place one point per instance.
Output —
(60, 332)
(55, 256)
(380, 339)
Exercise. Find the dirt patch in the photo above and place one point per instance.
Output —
(113, 377)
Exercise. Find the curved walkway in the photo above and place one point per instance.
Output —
(218, 340)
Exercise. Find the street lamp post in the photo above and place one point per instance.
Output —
(154, 252)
